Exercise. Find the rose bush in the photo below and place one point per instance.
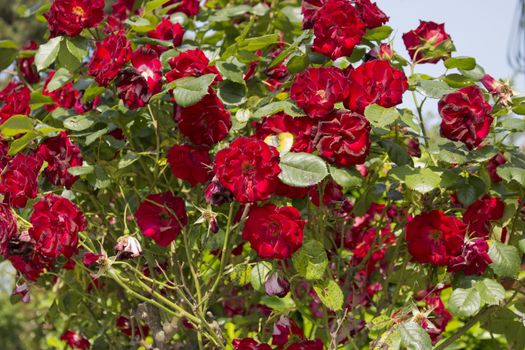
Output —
(182, 174)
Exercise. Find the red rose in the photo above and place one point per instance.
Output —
(216, 194)
(109, 57)
(167, 30)
(473, 260)
(428, 43)
(370, 13)
(69, 17)
(478, 215)
(125, 326)
(332, 193)
(30, 266)
(14, 99)
(291, 192)
(501, 92)
(122, 8)
(438, 319)
(56, 223)
(19, 181)
(190, 163)
(338, 28)
(303, 130)
(204, 123)
(146, 62)
(188, 7)
(65, 96)
(249, 344)
(307, 345)
(60, 155)
(309, 10)
(249, 168)
(161, 217)
(8, 227)
(344, 138)
(492, 166)
(382, 52)
(465, 116)
(75, 341)
(285, 329)
(132, 88)
(26, 65)
(433, 237)
(277, 285)
(191, 63)
(316, 90)
(375, 82)
(274, 233)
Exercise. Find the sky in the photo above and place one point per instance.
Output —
(479, 28)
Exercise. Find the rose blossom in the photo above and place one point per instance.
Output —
(273, 232)
(26, 65)
(18, 182)
(316, 90)
(14, 99)
(465, 116)
(338, 28)
(191, 63)
(206, 122)
(65, 96)
(132, 88)
(8, 227)
(303, 130)
(216, 194)
(167, 30)
(428, 43)
(433, 237)
(188, 7)
(109, 57)
(190, 163)
(249, 344)
(478, 215)
(56, 223)
(128, 247)
(492, 166)
(276, 285)
(344, 138)
(370, 13)
(249, 168)
(500, 91)
(75, 341)
(69, 17)
(473, 259)
(162, 217)
(60, 155)
(146, 62)
(375, 82)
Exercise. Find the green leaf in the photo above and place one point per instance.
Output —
(423, 181)
(279, 304)
(344, 178)
(140, 24)
(464, 302)
(396, 153)
(381, 116)
(47, 53)
(475, 74)
(302, 169)
(78, 123)
(61, 77)
(510, 173)
(77, 47)
(232, 93)
(232, 70)
(378, 33)
(81, 170)
(310, 260)
(457, 80)
(38, 100)
(257, 43)
(490, 291)
(127, 160)
(506, 259)
(21, 143)
(276, 107)
(8, 52)
(92, 91)
(461, 62)
(258, 275)
(290, 49)
(471, 189)
(414, 337)
(154, 4)
(18, 124)
(330, 294)
(434, 88)
(191, 90)
(298, 63)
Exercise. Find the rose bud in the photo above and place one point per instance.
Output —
(382, 52)
(128, 247)
(428, 43)
(211, 218)
(22, 291)
(75, 341)
(276, 285)
(216, 194)
(501, 92)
